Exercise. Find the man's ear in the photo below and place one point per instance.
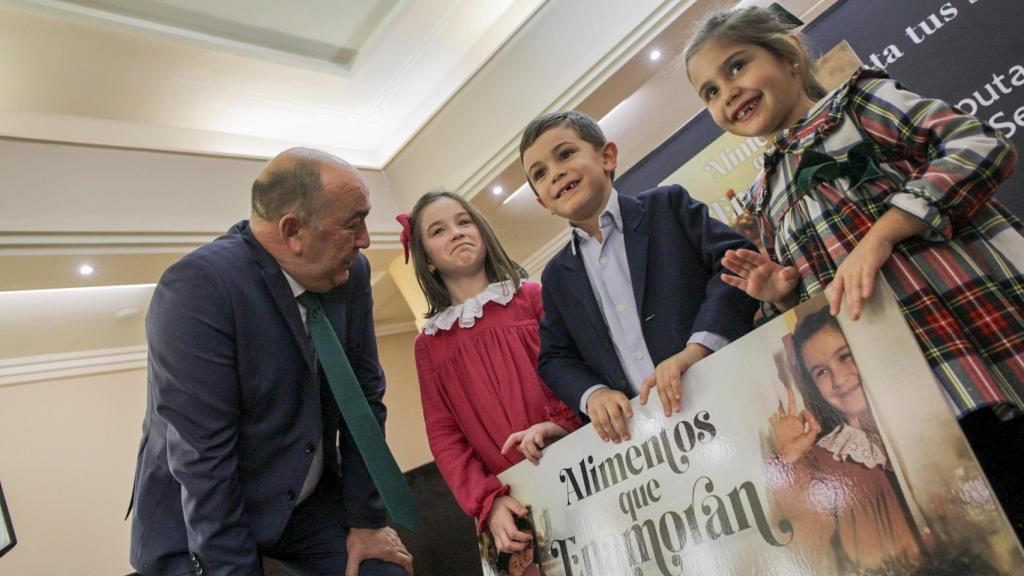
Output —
(609, 157)
(293, 232)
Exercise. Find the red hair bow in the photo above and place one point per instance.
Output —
(406, 237)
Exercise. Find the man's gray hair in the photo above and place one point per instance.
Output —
(294, 188)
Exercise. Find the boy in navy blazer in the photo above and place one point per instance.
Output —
(636, 297)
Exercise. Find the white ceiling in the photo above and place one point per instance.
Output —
(242, 77)
(100, 97)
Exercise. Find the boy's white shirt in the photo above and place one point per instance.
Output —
(608, 272)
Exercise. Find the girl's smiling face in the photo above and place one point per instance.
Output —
(829, 362)
(748, 90)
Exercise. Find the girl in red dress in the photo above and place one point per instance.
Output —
(485, 406)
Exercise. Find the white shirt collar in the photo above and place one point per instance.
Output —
(473, 308)
(611, 209)
(297, 288)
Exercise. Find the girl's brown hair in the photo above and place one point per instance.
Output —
(760, 27)
(498, 266)
(827, 415)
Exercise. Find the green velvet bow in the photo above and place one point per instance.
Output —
(860, 166)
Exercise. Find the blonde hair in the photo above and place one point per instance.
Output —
(760, 27)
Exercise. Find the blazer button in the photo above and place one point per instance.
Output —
(310, 447)
(291, 494)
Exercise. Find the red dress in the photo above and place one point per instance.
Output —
(479, 384)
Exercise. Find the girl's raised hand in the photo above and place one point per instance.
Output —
(531, 440)
(794, 433)
(502, 524)
(761, 277)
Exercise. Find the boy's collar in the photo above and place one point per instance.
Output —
(612, 208)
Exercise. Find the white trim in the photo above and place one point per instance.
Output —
(393, 328)
(199, 39)
(68, 364)
(627, 48)
(73, 243)
(535, 263)
(50, 243)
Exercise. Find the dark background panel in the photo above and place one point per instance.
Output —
(975, 43)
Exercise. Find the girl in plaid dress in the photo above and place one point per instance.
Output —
(872, 178)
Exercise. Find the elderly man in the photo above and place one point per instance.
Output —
(262, 435)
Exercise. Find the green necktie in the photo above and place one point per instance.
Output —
(361, 422)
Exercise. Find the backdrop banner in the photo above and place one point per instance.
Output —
(967, 52)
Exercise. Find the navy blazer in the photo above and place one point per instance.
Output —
(234, 411)
(674, 249)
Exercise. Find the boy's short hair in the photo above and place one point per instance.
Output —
(584, 126)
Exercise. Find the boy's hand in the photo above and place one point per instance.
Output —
(761, 277)
(531, 440)
(502, 524)
(668, 376)
(606, 408)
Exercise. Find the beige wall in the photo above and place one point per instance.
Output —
(67, 456)
(405, 430)
(67, 459)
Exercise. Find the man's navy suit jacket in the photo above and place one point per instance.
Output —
(234, 410)
(674, 249)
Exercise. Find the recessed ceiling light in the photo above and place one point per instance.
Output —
(655, 54)
(497, 190)
(85, 270)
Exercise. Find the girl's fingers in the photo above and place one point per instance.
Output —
(791, 404)
(734, 281)
(538, 440)
(512, 440)
(868, 283)
(853, 293)
(837, 296)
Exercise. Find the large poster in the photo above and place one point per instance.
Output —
(811, 446)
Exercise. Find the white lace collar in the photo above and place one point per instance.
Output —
(847, 442)
(473, 308)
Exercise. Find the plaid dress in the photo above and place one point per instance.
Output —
(870, 145)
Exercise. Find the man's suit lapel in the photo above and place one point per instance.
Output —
(282, 294)
(636, 246)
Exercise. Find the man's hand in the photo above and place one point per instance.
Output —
(532, 440)
(502, 524)
(608, 410)
(668, 377)
(380, 544)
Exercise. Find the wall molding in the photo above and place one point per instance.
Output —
(393, 328)
(586, 85)
(535, 263)
(28, 369)
(74, 243)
